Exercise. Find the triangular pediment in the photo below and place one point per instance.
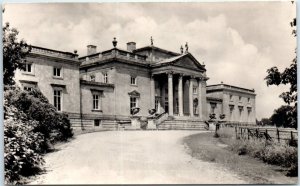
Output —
(134, 93)
(188, 61)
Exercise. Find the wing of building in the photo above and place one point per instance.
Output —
(100, 90)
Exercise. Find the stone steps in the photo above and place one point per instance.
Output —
(182, 125)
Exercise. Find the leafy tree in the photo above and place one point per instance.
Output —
(265, 121)
(287, 77)
(281, 117)
(14, 53)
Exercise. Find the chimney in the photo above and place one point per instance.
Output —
(131, 46)
(91, 49)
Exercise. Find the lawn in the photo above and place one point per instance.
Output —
(254, 171)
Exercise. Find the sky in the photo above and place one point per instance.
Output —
(237, 41)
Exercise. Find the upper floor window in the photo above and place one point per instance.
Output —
(133, 80)
(194, 90)
(105, 78)
(28, 67)
(57, 72)
(249, 100)
(27, 88)
(240, 98)
(230, 97)
(58, 99)
(92, 78)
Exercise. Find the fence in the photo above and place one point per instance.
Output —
(271, 134)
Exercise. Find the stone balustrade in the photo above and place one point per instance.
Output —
(53, 53)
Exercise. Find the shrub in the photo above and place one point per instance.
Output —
(53, 125)
(21, 146)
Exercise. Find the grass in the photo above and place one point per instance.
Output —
(218, 150)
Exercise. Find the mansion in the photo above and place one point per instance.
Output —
(99, 90)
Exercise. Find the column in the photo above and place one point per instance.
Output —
(170, 93)
(200, 101)
(180, 95)
(152, 92)
(191, 98)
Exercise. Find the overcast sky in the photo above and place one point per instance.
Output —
(237, 41)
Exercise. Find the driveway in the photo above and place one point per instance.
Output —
(130, 157)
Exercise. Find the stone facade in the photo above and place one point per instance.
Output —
(99, 90)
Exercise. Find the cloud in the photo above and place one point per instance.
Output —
(217, 35)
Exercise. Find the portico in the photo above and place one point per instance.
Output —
(179, 87)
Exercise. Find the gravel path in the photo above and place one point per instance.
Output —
(130, 157)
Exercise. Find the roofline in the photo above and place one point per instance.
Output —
(95, 54)
(68, 53)
(156, 48)
(230, 86)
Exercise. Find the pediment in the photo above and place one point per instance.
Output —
(188, 61)
(134, 93)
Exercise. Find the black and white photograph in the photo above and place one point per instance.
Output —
(150, 92)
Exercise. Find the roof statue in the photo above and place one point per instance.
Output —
(151, 39)
(186, 47)
(181, 49)
(115, 42)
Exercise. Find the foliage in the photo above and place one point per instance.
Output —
(266, 121)
(287, 77)
(281, 117)
(14, 53)
(22, 146)
(53, 125)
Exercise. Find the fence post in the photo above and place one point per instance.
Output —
(235, 132)
(278, 138)
(266, 135)
(248, 134)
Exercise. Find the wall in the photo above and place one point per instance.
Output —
(43, 74)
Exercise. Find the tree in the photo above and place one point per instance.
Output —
(287, 77)
(14, 53)
(281, 117)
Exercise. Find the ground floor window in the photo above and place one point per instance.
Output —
(57, 99)
(231, 108)
(195, 106)
(96, 98)
(213, 107)
(240, 110)
(133, 104)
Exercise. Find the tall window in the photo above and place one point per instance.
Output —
(96, 102)
(156, 103)
(133, 80)
(249, 110)
(248, 100)
(240, 98)
(57, 99)
(240, 110)
(56, 72)
(194, 90)
(28, 67)
(231, 108)
(177, 105)
(195, 106)
(133, 103)
(230, 97)
(105, 78)
(213, 107)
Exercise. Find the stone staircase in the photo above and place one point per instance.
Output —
(178, 124)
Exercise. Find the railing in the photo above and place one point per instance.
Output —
(161, 118)
(113, 53)
(267, 133)
(54, 53)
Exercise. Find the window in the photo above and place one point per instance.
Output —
(231, 108)
(92, 77)
(156, 104)
(133, 103)
(194, 90)
(96, 102)
(105, 78)
(240, 98)
(27, 88)
(249, 110)
(213, 106)
(57, 72)
(57, 99)
(241, 110)
(133, 80)
(230, 97)
(195, 106)
(97, 122)
(248, 100)
(28, 67)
